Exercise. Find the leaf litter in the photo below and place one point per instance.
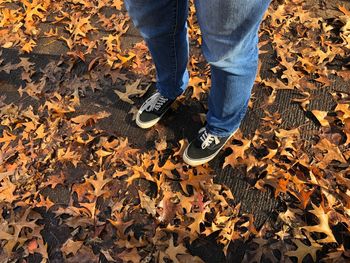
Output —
(131, 205)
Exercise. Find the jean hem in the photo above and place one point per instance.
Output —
(221, 134)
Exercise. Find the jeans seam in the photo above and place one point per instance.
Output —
(174, 41)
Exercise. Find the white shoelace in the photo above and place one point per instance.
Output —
(207, 139)
(154, 102)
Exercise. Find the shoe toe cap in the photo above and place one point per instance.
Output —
(147, 116)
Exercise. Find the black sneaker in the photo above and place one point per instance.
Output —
(152, 110)
(204, 148)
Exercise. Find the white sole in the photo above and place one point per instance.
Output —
(146, 125)
(149, 124)
(192, 162)
(196, 162)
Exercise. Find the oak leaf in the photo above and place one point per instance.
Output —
(172, 251)
(130, 90)
(71, 246)
(130, 255)
(323, 226)
(303, 250)
(147, 203)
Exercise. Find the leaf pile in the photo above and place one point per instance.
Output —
(111, 206)
(126, 205)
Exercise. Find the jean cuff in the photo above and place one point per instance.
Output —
(220, 134)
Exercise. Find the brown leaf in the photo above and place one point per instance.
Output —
(130, 90)
(71, 246)
(88, 118)
(345, 74)
(147, 203)
(84, 255)
(7, 189)
(130, 255)
(323, 226)
(303, 250)
(172, 251)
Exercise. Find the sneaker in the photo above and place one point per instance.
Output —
(204, 148)
(152, 110)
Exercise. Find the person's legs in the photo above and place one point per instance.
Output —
(230, 37)
(162, 23)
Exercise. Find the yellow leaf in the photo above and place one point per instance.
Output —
(28, 47)
(40, 132)
(7, 137)
(117, 4)
(320, 116)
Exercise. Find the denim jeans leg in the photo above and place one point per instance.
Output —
(230, 37)
(163, 25)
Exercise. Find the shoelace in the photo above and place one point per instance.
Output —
(154, 102)
(207, 139)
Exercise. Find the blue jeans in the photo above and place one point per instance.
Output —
(230, 37)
